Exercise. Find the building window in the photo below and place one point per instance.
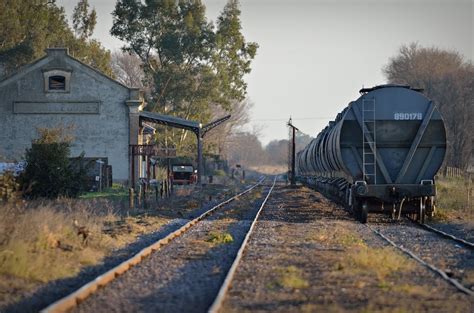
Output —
(57, 83)
(57, 80)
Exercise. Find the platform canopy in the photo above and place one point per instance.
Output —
(171, 121)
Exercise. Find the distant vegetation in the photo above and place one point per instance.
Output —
(246, 149)
(448, 79)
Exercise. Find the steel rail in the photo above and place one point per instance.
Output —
(440, 272)
(72, 300)
(445, 234)
(219, 300)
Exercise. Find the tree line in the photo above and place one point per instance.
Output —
(193, 68)
(447, 78)
(246, 149)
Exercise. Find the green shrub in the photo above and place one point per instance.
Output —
(219, 173)
(49, 172)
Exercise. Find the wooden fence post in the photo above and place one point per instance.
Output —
(139, 195)
(131, 198)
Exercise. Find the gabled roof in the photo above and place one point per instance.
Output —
(52, 54)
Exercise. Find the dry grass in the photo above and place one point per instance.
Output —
(469, 278)
(44, 243)
(270, 169)
(359, 258)
(379, 262)
(452, 198)
(337, 235)
(39, 240)
(414, 290)
(291, 277)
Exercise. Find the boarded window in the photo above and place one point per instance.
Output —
(57, 83)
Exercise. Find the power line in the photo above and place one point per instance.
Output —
(295, 119)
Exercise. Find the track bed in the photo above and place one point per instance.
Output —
(309, 255)
(185, 275)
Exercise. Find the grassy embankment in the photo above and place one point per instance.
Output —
(455, 199)
(44, 240)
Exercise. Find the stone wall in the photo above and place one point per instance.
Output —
(94, 105)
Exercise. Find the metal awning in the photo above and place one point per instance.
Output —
(171, 121)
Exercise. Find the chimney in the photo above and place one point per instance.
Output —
(57, 51)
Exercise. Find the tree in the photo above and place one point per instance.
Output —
(184, 58)
(128, 69)
(49, 172)
(232, 57)
(83, 22)
(217, 139)
(28, 27)
(246, 149)
(449, 81)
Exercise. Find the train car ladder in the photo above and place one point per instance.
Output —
(369, 158)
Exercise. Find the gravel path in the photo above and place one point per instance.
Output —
(185, 275)
(306, 255)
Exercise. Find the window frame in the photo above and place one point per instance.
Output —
(47, 74)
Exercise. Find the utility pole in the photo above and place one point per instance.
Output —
(293, 152)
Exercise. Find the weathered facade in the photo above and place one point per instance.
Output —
(58, 90)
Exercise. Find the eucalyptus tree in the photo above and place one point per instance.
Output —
(27, 27)
(191, 65)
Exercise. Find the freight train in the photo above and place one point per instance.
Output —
(380, 154)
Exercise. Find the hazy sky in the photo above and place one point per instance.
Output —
(314, 56)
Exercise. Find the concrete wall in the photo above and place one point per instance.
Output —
(95, 105)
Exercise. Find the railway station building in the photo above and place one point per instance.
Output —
(106, 116)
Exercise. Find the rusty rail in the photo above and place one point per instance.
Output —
(217, 304)
(464, 242)
(438, 271)
(72, 300)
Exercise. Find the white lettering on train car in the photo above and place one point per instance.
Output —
(408, 116)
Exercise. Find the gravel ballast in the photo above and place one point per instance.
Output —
(185, 275)
(309, 255)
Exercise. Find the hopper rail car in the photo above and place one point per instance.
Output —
(380, 154)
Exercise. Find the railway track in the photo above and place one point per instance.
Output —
(217, 304)
(444, 234)
(427, 257)
(72, 301)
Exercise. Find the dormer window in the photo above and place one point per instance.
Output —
(57, 83)
(56, 80)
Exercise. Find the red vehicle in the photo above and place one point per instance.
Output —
(183, 174)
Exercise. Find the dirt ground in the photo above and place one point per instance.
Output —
(308, 255)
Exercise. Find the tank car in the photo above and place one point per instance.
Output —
(380, 154)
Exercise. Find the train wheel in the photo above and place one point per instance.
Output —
(422, 212)
(356, 208)
(364, 212)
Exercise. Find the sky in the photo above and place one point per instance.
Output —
(315, 55)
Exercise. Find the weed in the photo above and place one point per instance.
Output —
(350, 240)
(380, 262)
(291, 277)
(220, 238)
(415, 290)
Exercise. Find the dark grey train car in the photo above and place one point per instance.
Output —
(380, 154)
